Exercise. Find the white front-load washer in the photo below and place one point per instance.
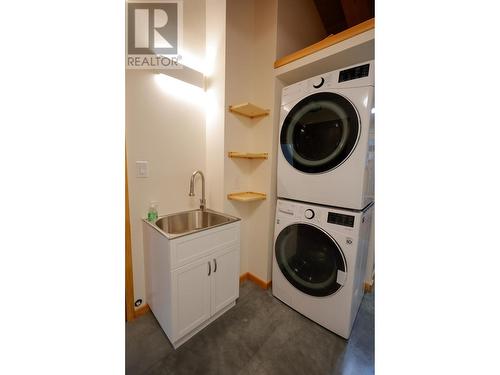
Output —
(319, 262)
(326, 135)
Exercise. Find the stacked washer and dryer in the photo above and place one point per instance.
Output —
(325, 195)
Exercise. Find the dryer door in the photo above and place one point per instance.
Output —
(310, 259)
(320, 132)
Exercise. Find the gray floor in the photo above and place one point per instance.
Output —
(260, 335)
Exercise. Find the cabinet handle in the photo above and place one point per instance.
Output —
(209, 268)
(215, 263)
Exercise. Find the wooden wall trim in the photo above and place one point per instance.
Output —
(142, 310)
(327, 42)
(251, 277)
(129, 277)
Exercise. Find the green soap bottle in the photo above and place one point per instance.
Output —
(153, 212)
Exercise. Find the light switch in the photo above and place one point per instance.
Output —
(142, 169)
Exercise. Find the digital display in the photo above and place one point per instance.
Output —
(339, 219)
(354, 73)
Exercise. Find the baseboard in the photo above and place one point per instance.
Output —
(249, 276)
(141, 310)
(369, 287)
(243, 277)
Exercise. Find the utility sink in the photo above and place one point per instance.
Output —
(192, 264)
(183, 223)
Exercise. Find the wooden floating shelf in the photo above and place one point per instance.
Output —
(248, 155)
(249, 110)
(327, 42)
(246, 196)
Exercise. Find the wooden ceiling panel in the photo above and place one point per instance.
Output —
(332, 15)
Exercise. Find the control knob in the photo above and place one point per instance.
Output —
(309, 214)
(319, 83)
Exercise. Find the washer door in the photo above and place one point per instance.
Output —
(319, 133)
(310, 259)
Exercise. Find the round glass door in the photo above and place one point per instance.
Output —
(319, 133)
(309, 259)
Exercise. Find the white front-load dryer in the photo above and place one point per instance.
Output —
(319, 262)
(326, 135)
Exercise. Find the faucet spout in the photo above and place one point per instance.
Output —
(203, 202)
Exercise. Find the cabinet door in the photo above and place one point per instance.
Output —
(225, 278)
(191, 295)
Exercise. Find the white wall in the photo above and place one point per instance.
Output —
(266, 135)
(299, 25)
(250, 54)
(165, 125)
(239, 130)
(215, 86)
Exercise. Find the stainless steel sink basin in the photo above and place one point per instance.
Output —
(182, 223)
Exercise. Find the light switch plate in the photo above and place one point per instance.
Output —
(142, 169)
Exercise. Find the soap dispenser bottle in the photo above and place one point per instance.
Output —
(153, 212)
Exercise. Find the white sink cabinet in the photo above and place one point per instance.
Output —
(193, 279)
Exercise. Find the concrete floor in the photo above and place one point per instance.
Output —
(260, 335)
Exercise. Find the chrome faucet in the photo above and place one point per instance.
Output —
(203, 202)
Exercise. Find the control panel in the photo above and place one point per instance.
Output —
(354, 73)
(321, 216)
(341, 219)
